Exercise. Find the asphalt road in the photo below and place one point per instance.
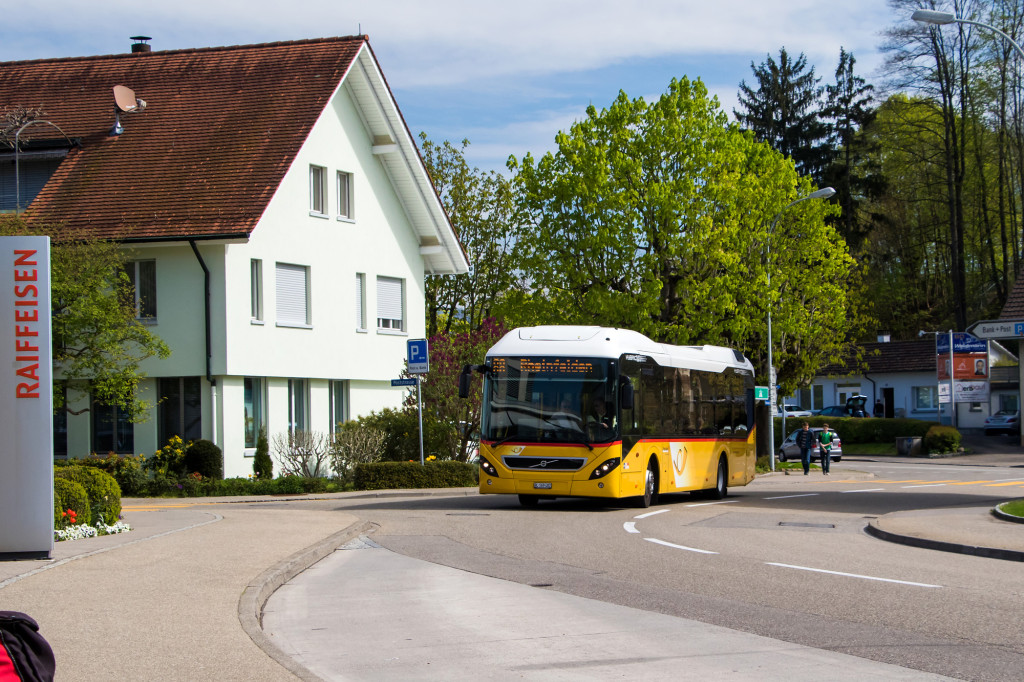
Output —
(786, 558)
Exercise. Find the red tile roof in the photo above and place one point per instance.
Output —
(884, 358)
(1014, 307)
(221, 128)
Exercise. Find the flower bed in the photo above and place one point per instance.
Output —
(77, 531)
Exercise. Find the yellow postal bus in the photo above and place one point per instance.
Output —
(595, 412)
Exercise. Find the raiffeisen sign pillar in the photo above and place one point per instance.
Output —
(26, 399)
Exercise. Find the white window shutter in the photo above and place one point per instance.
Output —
(292, 303)
(389, 299)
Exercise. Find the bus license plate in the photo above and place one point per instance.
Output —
(542, 486)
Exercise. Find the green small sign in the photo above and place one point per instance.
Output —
(761, 393)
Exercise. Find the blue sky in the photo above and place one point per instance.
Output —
(506, 75)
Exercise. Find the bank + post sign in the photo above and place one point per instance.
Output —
(26, 399)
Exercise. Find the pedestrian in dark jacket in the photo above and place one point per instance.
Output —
(805, 441)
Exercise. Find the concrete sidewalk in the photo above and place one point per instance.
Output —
(181, 595)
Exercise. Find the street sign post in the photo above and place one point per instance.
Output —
(418, 362)
(405, 382)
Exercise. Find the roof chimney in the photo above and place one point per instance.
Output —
(141, 44)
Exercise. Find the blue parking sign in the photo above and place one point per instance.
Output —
(418, 357)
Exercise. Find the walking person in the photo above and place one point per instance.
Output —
(805, 441)
(825, 438)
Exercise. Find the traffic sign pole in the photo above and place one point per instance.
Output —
(419, 400)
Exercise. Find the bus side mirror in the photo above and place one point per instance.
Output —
(626, 395)
(464, 378)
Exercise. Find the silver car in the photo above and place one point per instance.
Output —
(790, 451)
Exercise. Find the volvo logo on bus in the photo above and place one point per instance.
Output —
(543, 463)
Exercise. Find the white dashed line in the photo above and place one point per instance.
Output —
(924, 485)
(705, 504)
(688, 549)
(630, 527)
(866, 490)
(786, 497)
(644, 516)
(853, 575)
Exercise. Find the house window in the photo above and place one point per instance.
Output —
(60, 425)
(256, 289)
(142, 277)
(112, 430)
(317, 191)
(298, 400)
(390, 303)
(254, 414)
(293, 295)
(345, 196)
(360, 301)
(925, 397)
(338, 395)
(180, 411)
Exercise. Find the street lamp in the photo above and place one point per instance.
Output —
(928, 16)
(823, 193)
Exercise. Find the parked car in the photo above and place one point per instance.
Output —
(795, 411)
(1003, 421)
(832, 411)
(855, 406)
(789, 450)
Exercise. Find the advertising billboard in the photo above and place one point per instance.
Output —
(26, 399)
(970, 357)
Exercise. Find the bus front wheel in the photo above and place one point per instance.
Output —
(650, 495)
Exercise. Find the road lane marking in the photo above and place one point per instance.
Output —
(786, 497)
(866, 490)
(970, 482)
(704, 504)
(1000, 485)
(688, 549)
(853, 575)
(652, 513)
(924, 485)
(630, 527)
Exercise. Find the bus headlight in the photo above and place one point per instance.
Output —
(604, 468)
(488, 467)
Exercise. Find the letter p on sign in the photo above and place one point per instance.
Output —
(418, 356)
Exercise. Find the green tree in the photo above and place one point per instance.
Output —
(480, 206)
(785, 110)
(98, 345)
(655, 217)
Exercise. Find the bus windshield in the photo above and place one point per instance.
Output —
(550, 400)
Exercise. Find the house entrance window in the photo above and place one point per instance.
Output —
(180, 412)
(254, 410)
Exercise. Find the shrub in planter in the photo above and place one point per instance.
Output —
(103, 491)
(942, 439)
(68, 494)
(204, 457)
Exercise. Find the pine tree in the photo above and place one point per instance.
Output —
(855, 179)
(786, 111)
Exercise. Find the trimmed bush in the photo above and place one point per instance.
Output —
(402, 475)
(262, 465)
(401, 435)
(204, 457)
(68, 494)
(942, 439)
(127, 471)
(103, 491)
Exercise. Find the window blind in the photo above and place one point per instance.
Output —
(292, 300)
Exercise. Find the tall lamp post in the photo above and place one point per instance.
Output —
(823, 193)
(928, 16)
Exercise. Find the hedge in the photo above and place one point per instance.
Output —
(68, 494)
(855, 430)
(402, 475)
